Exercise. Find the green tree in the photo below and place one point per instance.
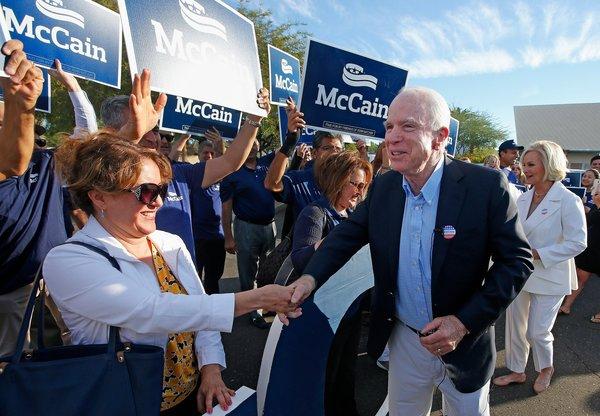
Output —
(478, 133)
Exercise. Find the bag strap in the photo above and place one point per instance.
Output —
(113, 333)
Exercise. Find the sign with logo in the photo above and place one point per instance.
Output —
(573, 179)
(452, 137)
(284, 76)
(305, 137)
(346, 92)
(185, 115)
(84, 35)
(43, 103)
(202, 49)
(577, 190)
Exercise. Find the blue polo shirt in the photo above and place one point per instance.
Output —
(252, 202)
(31, 221)
(175, 216)
(299, 189)
(206, 212)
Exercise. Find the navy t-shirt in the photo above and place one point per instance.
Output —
(175, 216)
(252, 202)
(206, 212)
(299, 189)
(31, 221)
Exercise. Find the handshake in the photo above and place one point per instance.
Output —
(285, 300)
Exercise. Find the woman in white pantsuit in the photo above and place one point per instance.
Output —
(554, 223)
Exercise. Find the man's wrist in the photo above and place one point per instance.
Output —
(253, 123)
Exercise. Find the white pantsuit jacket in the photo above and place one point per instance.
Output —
(557, 230)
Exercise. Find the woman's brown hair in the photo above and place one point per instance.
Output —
(105, 163)
(334, 172)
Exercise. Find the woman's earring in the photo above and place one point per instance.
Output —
(102, 213)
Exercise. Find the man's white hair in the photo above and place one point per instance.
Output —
(432, 104)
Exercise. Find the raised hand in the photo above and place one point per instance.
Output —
(143, 114)
(213, 135)
(63, 77)
(263, 99)
(295, 120)
(25, 82)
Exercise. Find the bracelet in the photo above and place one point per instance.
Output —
(253, 123)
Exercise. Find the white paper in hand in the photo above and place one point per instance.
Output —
(241, 395)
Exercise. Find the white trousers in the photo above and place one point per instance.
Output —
(414, 375)
(529, 320)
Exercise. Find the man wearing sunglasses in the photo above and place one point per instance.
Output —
(135, 119)
(298, 188)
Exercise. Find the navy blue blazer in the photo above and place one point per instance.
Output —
(476, 202)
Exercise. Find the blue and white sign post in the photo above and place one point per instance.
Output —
(43, 102)
(346, 92)
(203, 50)
(284, 76)
(306, 136)
(83, 35)
(185, 115)
(452, 136)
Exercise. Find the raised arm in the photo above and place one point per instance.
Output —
(85, 116)
(273, 180)
(21, 91)
(178, 146)
(238, 151)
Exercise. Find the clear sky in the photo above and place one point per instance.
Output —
(485, 55)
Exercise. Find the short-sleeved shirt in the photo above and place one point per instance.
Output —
(252, 202)
(175, 216)
(31, 220)
(206, 212)
(299, 189)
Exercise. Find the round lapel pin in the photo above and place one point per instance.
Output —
(448, 232)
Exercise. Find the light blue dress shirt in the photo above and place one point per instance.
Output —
(413, 301)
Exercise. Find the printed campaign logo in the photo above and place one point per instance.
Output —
(353, 75)
(185, 115)
(286, 68)
(54, 9)
(43, 103)
(284, 76)
(193, 14)
(83, 35)
(203, 50)
(346, 92)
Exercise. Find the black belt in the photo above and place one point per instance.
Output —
(257, 223)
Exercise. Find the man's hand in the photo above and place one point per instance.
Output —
(301, 289)
(26, 81)
(230, 245)
(63, 77)
(295, 120)
(263, 99)
(361, 146)
(449, 331)
(143, 114)
(212, 387)
(302, 150)
(214, 136)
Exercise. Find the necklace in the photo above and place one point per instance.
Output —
(536, 194)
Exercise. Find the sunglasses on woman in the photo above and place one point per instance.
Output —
(147, 193)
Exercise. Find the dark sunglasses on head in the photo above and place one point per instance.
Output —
(147, 193)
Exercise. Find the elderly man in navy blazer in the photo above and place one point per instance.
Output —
(433, 224)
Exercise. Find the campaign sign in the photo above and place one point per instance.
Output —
(346, 92)
(284, 76)
(573, 179)
(203, 50)
(579, 191)
(83, 35)
(43, 103)
(185, 115)
(452, 137)
(306, 136)
(4, 36)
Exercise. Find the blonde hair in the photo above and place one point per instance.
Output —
(553, 159)
(491, 159)
(105, 163)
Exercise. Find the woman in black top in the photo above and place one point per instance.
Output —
(344, 178)
(588, 262)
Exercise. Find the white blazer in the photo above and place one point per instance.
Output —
(92, 295)
(557, 230)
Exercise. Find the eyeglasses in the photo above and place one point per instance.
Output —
(147, 193)
(360, 186)
(328, 148)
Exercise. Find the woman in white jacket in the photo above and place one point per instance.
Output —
(157, 297)
(554, 223)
